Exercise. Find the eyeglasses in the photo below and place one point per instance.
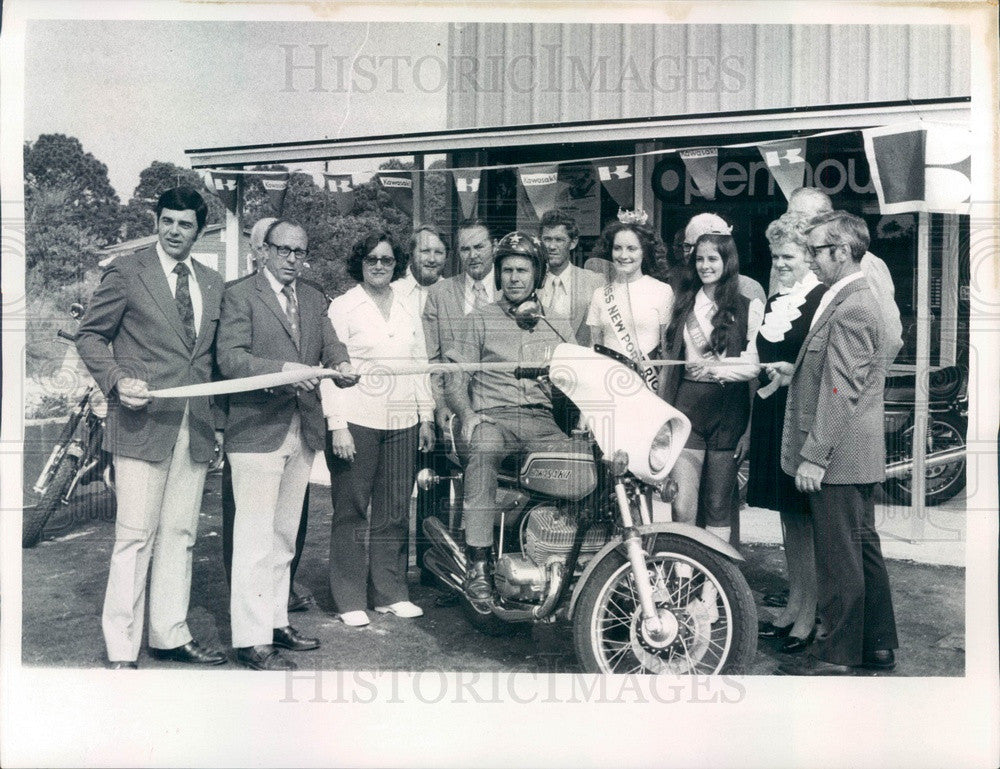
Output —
(371, 261)
(687, 248)
(284, 251)
(813, 250)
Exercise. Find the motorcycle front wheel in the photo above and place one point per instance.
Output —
(706, 610)
(36, 517)
(944, 431)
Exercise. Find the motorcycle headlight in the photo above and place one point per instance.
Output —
(659, 451)
(98, 404)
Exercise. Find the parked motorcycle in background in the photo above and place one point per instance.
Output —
(947, 424)
(576, 539)
(76, 459)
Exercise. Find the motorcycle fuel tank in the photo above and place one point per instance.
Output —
(559, 474)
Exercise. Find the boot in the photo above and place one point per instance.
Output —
(478, 576)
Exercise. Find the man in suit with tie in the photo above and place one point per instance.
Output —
(833, 444)
(447, 311)
(568, 289)
(151, 323)
(272, 322)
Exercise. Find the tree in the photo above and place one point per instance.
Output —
(56, 164)
(138, 217)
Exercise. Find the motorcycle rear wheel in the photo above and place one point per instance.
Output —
(36, 517)
(944, 431)
(705, 635)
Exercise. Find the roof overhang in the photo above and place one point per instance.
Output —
(703, 125)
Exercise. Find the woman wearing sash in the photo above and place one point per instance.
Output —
(630, 312)
(712, 323)
(787, 317)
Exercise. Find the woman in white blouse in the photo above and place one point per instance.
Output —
(630, 312)
(712, 322)
(375, 430)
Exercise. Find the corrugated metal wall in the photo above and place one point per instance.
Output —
(509, 74)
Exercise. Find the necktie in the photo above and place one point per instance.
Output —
(182, 296)
(480, 292)
(292, 311)
(558, 298)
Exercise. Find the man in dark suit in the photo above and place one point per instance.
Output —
(272, 322)
(298, 600)
(833, 443)
(151, 324)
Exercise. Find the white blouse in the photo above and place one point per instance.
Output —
(379, 401)
(704, 310)
(651, 302)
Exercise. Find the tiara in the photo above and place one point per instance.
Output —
(638, 216)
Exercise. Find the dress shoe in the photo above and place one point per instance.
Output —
(299, 601)
(776, 600)
(404, 609)
(263, 657)
(191, 652)
(354, 618)
(122, 665)
(289, 638)
(477, 577)
(810, 666)
(770, 630)
(880, 659)
(793, 644)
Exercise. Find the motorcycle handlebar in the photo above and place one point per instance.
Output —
(64, 335)
(531, 372)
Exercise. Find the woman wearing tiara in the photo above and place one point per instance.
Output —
(712, 322)
(787, 317)
(629, 313)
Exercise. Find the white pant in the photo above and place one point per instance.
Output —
(268, 489)
(157, 518)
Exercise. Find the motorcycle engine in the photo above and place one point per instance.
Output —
(546, 534)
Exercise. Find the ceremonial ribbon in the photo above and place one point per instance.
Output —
(265, 381)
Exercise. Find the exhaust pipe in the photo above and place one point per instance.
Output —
(904, 467)
(433, 561)
(449, 552)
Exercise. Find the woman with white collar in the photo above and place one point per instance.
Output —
(375, 432)
(787, 317)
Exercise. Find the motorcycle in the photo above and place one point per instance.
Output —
(76, 459)
(575, 538)
(947, 424)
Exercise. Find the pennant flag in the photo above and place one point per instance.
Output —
(541, 184)
(399, 186)
(467, 187)
(920, 167)
(342, 187)
(702, 167)
(275, 185)
(225, 185)
(786, 160)
(618, 178)
(896, 156)
(948, 172)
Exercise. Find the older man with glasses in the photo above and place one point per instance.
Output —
(272, 322)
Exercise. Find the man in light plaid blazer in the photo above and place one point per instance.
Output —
(834, 445)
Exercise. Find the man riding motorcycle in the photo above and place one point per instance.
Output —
(500, 414)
